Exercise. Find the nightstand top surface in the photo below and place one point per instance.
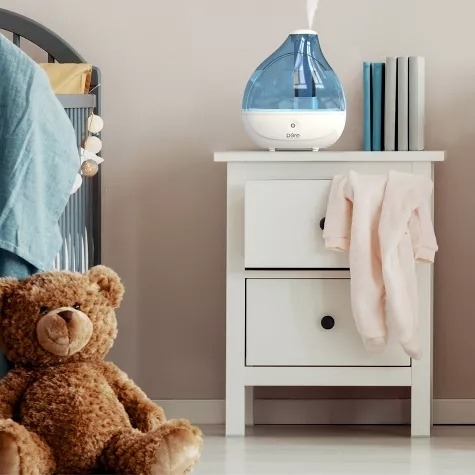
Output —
(304, 156)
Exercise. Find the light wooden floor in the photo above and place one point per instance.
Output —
(366, 450)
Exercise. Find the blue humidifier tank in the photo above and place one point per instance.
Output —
(294, 100)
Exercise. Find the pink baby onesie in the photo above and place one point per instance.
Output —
(384, 223)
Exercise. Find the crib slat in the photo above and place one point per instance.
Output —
(16, 39)
(77, 222)
(51, 59)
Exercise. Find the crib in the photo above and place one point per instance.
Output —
(80, 223)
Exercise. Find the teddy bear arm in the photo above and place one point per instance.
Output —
(144, 414)
(12, 387)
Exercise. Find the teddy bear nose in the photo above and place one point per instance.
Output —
(66, 315)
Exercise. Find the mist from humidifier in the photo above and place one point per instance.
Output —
(312, 7)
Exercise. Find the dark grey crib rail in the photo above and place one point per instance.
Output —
(77, 223)
(81, 222)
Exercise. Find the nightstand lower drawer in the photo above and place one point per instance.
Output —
(307, 322)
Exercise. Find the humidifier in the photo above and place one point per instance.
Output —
(294, 100)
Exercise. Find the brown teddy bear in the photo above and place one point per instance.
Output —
(63, 409)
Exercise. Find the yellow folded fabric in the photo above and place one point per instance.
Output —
(68, 78)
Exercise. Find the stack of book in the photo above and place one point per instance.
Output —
(394, 104)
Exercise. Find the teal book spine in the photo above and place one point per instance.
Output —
(367, 109)
(378, 105)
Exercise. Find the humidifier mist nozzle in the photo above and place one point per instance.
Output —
(303, 32)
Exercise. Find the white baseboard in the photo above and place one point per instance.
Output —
(324, 411)
(198, 411)
(454, 411)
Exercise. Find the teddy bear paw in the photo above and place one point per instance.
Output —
(9, 455)
(178, 452)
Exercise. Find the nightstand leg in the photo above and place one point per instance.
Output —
(421, 410)
(249, 406)
(235, 410)
(421, 393)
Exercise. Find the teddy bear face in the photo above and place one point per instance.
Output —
(58, 317)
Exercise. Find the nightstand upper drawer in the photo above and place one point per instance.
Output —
(283, 225)
(307, 322)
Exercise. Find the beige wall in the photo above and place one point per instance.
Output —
(173, 75)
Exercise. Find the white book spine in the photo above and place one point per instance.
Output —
(403, 103)
(390, 101)
(416, 103)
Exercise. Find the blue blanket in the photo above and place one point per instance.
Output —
(39, 160)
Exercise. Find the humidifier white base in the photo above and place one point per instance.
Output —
(294, 130)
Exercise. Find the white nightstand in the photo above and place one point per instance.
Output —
(289, 319)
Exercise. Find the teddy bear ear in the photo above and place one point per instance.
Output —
(109, 283)
(7, 286)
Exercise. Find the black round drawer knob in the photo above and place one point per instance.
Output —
(328, 322)
(322, 224)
